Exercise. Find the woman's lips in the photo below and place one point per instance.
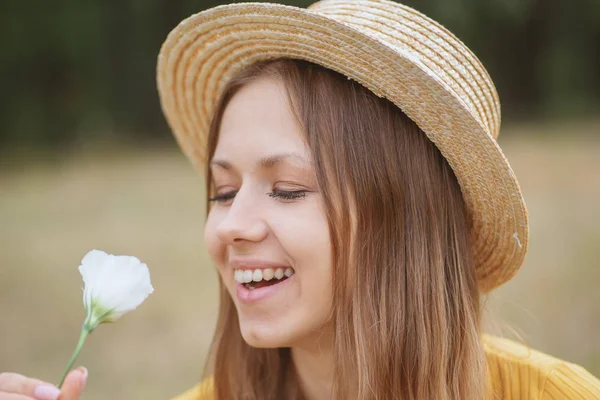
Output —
(249, 296)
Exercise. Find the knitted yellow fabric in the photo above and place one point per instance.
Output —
(516, 373)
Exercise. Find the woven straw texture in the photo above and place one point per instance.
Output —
(392, 50)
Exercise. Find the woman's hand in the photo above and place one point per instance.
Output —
(18, 387)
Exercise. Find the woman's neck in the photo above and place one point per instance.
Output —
(314, 367)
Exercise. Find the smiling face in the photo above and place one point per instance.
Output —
(267, 222)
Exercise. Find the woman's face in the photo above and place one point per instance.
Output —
(269, 225)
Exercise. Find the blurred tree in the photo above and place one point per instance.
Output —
(79, 69)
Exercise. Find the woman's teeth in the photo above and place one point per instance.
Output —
(257, 275)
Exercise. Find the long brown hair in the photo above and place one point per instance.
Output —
(406, 308)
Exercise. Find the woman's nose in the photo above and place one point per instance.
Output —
(243, 221)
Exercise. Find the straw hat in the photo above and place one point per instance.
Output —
(392, 50)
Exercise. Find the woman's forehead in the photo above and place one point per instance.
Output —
(270, 161)
(259, 128)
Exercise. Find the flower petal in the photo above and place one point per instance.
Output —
(91, 266)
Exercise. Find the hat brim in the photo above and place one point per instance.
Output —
(205, 50)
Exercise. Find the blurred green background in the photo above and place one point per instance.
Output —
(87, 161)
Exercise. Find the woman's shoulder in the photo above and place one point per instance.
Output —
(520, 372)
(202, 391)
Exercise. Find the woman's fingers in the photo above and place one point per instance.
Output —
(12, 396)
(16, 386)
(74, 384)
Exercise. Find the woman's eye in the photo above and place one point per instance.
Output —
(277, 194)
(288, 194)
(221, 198)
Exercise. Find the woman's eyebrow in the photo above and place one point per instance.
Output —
(267, 161)
(272, 160)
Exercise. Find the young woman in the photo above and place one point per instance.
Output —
(359, 206)
(344, 252)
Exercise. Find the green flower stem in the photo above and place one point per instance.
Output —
(95, 315)
(84, 332)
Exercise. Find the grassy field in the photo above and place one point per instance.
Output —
(149, 203)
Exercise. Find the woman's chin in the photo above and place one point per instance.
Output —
(281, 332)
(264, 337)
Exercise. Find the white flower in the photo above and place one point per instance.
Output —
(113, 286)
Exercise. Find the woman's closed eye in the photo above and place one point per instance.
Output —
(281, 195)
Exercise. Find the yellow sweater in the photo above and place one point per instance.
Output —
(517, 373)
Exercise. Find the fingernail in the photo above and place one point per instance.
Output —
(46, 392)
(84, 375)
